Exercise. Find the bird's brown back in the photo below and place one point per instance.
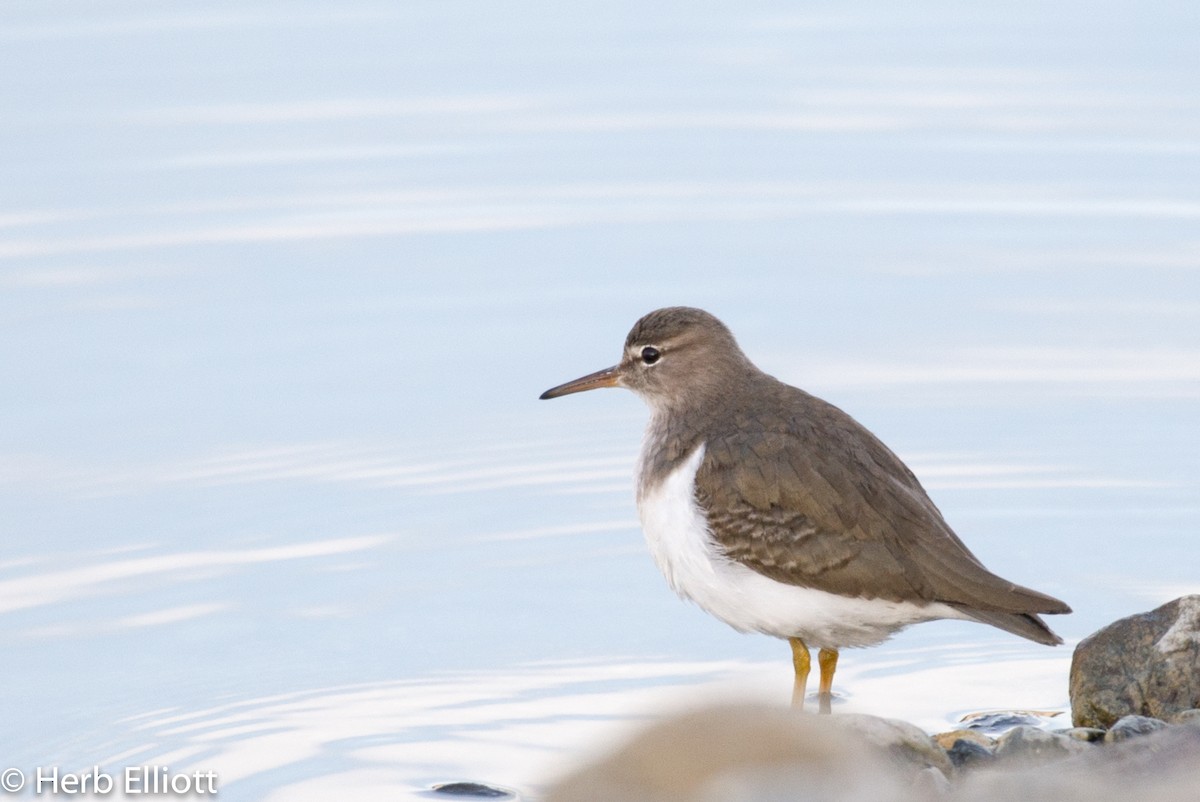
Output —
(799, 491)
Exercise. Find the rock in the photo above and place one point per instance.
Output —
(908, 745)
(998, 722)
(1032, 745)
(472, 790)
(1088, 734)
(930, 784)
(967, 754)
(1160, 752)
(1144, 665)
(1186, 717)
(946, 740)
(1163, 766)
(966, 748)
(751, 752)
(1133, 726)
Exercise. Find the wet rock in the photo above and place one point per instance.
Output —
(1033, 745)
(966, 748)
(1144, 665)
(998, 722)
(967, 754)
(946, 740)
(472, 790)
(1133, 726)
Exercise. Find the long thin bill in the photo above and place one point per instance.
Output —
(609, 377)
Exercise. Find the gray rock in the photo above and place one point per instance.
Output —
(1133, 726)
(967, 754)
(1031, 745)
(1162, 750)
(1163, 766)
(1144, 665)
(746, 753)
(472, 790)
(908, 745)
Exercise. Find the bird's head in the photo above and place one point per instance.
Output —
(673, 358)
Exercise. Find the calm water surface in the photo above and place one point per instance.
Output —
(280, 285)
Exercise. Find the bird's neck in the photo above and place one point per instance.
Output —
(678, 426)
(672, 435)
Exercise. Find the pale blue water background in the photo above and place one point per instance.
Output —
(280, 284)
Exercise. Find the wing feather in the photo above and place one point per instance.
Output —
(816, 500)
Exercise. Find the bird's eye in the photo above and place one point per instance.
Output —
(650, 354)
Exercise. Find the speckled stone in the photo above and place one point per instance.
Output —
(1132, 727)
(1143, 665)
(1032, 745)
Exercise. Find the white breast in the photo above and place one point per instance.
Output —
(685, 552)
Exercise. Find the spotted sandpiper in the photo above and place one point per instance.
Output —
(778, 513)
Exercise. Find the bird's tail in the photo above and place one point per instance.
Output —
(1027, 625)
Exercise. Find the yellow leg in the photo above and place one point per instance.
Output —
(827, 659)
(801, 662)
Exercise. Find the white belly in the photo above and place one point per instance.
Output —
(685, 552)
